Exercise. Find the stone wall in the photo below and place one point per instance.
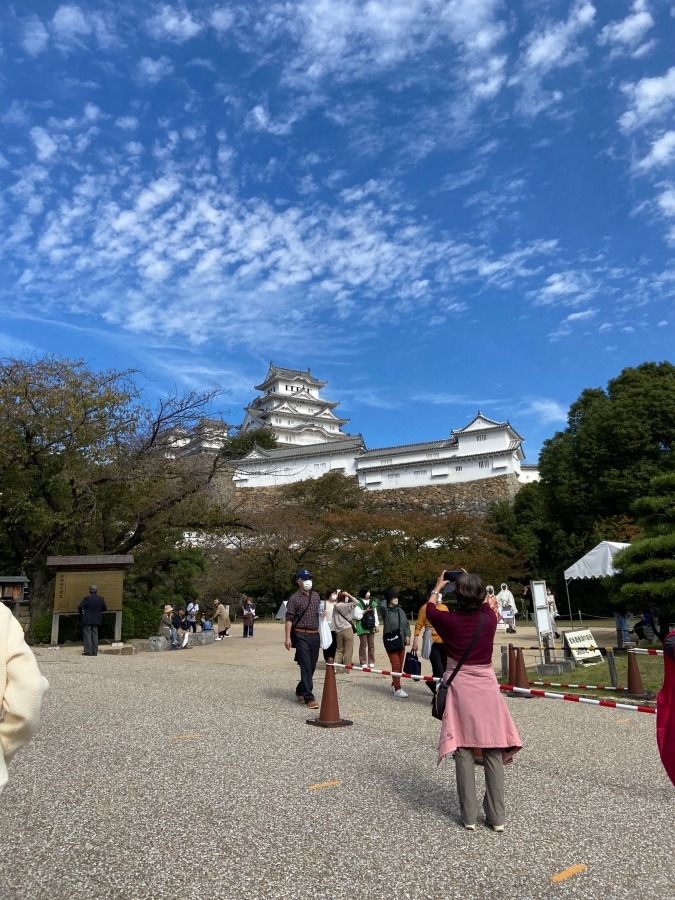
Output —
(470, 497)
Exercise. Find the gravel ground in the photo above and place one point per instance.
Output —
(187, 775)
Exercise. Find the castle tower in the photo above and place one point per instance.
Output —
(291, 406)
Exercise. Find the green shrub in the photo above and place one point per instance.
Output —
(145, 616)
(41, 629)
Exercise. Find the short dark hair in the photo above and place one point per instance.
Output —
(469, 591)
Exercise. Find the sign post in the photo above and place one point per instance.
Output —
(583, 648)
(74, 574)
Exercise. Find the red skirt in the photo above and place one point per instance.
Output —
(476, 714)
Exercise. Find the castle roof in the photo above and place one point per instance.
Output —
(276, 372)
(339, 445)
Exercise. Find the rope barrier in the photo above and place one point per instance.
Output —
(586, 687)
(549, 695)
(645, 650)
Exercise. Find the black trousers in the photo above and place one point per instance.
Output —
(306, 656)
(329, 652)
(439, 660)
(90, 639)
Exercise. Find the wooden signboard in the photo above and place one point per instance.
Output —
(583, 648)
(71, 588)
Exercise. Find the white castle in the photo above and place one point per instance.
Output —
(312, 443)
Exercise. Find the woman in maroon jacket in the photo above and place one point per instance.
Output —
(475, 712)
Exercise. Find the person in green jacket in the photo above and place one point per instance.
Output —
(396, 637)
(366, 632)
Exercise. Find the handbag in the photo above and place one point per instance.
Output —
(412, 665)
(325, 634)
(427, 643)
(394, 640)
(440, 697)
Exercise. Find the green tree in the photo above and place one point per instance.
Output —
(647, 566)
(86, 467)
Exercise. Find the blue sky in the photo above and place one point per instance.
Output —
(437, 205)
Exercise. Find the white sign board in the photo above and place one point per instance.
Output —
(583, 648)
(540, 611)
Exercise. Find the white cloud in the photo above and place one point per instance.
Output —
(564, 329)
(222, 19)
(546, 410)
(70, 23)
(550, 46)
(581, 316)
(649, 99)
(173, 24)
(661, 153)
(35, 37)
(45, 145)
(556, 45)
(566, 287)
(259, 119)
(630, 31)
(128, 123)
(151, 71)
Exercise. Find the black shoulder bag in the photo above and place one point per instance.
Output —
(441, 695)
(393, 640)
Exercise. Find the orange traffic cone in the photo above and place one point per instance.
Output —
(521, 673)
(329, 714)
(635, 685)
(512, 665)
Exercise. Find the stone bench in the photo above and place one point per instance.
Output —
(201, 638)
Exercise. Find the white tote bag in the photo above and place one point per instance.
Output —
(427, 643)
(325, 634)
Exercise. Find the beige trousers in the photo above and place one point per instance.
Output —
(345, 647)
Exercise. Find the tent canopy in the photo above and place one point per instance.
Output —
(597, 563)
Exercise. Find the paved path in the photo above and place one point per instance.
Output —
(203, 756)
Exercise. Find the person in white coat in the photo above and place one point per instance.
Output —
(21, 689)
(507, 608)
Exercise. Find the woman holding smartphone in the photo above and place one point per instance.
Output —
(475, 712)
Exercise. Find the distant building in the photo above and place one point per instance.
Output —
(314, 444)
(292, 407)
(208, 436)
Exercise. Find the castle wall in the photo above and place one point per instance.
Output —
(471, 497)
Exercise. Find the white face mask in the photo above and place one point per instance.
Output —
(333, 597)
(307, 585)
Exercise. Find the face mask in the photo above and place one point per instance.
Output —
(394, 601)
(333, 597)
(307, 585)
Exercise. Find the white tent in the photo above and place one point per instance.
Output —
(597, 563)
(281, 612)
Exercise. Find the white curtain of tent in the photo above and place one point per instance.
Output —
(597, 563)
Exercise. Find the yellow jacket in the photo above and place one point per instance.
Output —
(422, 622)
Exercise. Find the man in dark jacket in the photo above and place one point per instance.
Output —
(91, 610)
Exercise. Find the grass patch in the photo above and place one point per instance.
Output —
(651, 670)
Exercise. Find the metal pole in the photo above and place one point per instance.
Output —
(611, 663)
(569, 605)
(55, 629)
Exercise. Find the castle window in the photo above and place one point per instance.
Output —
(420, 473)
(387, 462)
(481, 437)
(433, 455)
(393, 476)
(458, 468)
(484, 464)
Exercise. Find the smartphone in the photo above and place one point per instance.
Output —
(451, 576)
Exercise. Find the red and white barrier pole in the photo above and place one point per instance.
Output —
(549, 695)
(585, 687)
(645, 650)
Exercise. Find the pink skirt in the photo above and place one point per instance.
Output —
(476, 714)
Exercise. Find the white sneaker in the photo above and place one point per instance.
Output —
(401, 694)
(498, 828)
(392, 689)
(218, 639)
